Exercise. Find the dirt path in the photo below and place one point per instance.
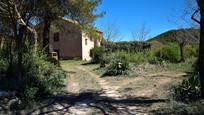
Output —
(109, 91)
(108, 101)
(91, 94)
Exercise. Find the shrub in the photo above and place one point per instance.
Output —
(97, 54)
(3, 66)
(156, 60)
(188, 90)
(30, 93)
(118, 66)
(169, 52)
(140, 57)
(40, 77)
(191, 51)
(137, 57)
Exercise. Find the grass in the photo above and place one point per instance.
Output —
(179, 108)
(71, 63)
(183, 67)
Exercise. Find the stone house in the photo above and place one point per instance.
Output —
(70, 41)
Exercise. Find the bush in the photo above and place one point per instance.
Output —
(30, 93)
(156, 60)
(191, 51)
(144, 57)
(118, 66)
(138, 57)
(3, 66)
(169, 52)
(40, 77)
(97, 54)
(188, 90)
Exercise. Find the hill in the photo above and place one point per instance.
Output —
(168, 36)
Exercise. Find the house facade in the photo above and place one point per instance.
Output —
(70, 41)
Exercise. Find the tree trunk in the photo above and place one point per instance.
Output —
(181, 51)
(20, 52)
(201, 52)
(35, 40)
(46, 32)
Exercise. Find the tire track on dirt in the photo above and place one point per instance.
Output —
(112, 92)
(108, 91)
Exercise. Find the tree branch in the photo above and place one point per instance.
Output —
(193, 16)
(21, 20)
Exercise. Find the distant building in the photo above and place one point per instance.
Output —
(70, 41)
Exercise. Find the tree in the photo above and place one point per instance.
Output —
(184, 37)
(111, 32)
(140, 35)
(16, 18)
(200, 10)
(182, 41)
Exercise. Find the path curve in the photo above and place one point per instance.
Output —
(108, 91)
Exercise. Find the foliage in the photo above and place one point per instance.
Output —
(146, 56)
(97, 54)
(169, 52)
(179, 108)
(127, 46)
(184, 67)
(30, 93)
(118, 66)
(188, 90)
(40, 77)
(3, 66)
(137, 57)
(156, 60)
(191, 51)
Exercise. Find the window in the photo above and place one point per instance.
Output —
(86, 41)
(56, 37)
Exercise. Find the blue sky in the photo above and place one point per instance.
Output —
(128, 15)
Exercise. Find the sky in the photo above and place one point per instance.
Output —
(128, 15)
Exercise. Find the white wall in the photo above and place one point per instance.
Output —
(86, 48)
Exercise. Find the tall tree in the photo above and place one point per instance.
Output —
(184, 37)
(201, 50)
(140, 35)
(111, 32)
(17, 15)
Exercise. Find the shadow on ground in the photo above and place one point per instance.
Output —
(92, 99)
